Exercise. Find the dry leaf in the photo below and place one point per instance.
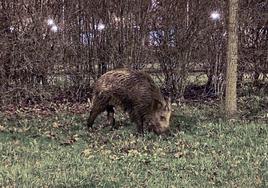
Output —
(70, 141)
(2, 128)
(179, 154)
(55, 125)
(87, 153)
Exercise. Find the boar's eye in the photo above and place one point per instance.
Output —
(162, 118)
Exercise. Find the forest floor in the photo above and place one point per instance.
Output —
(50, 147)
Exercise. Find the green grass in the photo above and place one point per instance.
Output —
(57, 151)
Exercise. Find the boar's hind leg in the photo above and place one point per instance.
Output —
(110, 115)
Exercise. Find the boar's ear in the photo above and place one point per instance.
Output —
(158, 104)
(165, 92)
(167, 98)
(168, 102)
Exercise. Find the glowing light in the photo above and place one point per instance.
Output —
(11, 28)
(136, 27)
(54, 28)
(116, 19)
(215, 15)
(50, 22)
(101, 27)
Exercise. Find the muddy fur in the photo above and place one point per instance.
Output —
(134, 92)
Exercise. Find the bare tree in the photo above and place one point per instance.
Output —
(232, 58)
(58, 48)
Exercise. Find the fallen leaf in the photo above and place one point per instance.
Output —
(87, 153)
(50, 134)
(70, 141)
(55, 125)
(2, 128)
(179, 154)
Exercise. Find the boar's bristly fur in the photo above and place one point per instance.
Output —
(136, 93)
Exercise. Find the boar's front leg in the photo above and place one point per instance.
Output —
(140, 127)
(110, 115)
(135, 117)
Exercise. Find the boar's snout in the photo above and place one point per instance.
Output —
(161, 130)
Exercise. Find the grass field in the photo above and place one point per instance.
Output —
(55, 150)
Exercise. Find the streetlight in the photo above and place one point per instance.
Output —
(54, 28)
(101, 27)
(11, 28)
(215, 15)
(50, 22)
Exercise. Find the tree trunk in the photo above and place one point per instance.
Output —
(232, 57)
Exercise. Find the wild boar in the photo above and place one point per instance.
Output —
(134, 92)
